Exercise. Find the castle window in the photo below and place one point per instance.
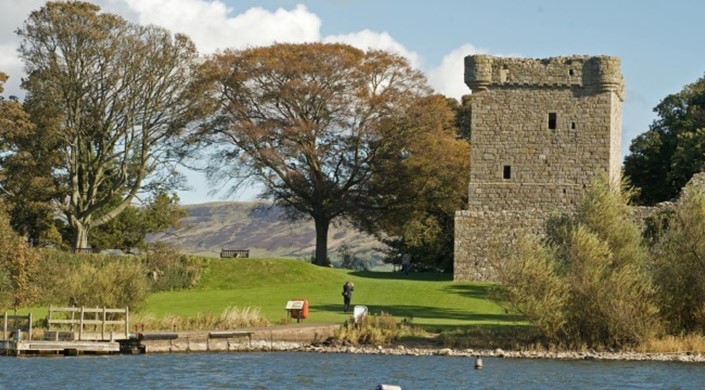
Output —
(570, 72)
(507, 172)
(552, 118)
(572, 125)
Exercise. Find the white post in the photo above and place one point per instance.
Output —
(80, 324)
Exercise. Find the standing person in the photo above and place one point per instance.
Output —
(348, 288)
(406, 263)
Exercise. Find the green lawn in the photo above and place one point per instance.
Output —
(431, 299)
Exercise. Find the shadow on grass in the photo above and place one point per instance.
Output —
(478, 291)
(420, 276)
(440, 314)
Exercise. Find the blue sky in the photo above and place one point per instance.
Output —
(661, 43)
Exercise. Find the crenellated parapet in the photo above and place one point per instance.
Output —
(601, 73)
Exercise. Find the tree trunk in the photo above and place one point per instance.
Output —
(80, 236)
(322, 225)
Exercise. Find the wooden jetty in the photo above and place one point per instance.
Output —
(70, 331)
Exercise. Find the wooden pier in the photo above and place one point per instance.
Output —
(71, 331)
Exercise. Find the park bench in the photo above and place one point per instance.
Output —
(235, 253)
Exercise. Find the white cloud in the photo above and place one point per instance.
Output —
(211, 25)
(448, 78)
(11, 65)
(12, 17)
(371, 40)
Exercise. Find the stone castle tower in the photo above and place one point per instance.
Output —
(541, 130)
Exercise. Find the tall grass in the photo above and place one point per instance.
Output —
(230, 318)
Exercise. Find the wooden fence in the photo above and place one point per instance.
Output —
(15, 322)
(103, 321)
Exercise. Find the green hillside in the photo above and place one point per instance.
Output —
(431, 299)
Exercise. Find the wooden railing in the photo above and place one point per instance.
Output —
(235, 253)
(78, 319)
(14, 322)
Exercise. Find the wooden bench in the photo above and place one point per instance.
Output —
(235, 253)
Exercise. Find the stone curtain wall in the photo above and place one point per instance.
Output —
(541, 131)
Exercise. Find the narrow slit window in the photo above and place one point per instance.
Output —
(507, 174)
(552, 118)
(570, 72)
(572, 125)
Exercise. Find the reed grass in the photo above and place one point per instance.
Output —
(230, 318)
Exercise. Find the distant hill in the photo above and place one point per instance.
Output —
(261, 228)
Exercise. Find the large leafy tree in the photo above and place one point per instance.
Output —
(26, 166)
(420, 185)
(309, 121)
(113, 95)
(662, 160)
(129, 229)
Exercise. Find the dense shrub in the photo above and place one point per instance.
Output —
(167, 269)
(592, 270)
(92, 280)
(18, 266)
(375, 329)
(679, 261)
(533, 287)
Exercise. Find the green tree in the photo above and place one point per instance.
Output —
(115, 95)
(680, 263)
(418, 186)
(309, 121)
(463, 115)
(129, 229)
(26, 165)
(662, 160)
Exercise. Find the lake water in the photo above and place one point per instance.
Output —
(292, 370)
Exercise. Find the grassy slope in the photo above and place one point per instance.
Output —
(431, 299)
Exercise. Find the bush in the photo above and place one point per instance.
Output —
(680, 264)
(374, 329)
(533, 287)
(18, 266)
(169, 270)
(92, 280)
(592, 269)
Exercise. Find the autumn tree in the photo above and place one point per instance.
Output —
(18, 263)
(662, 160)
(114, 95)
(308, 121)
(417, 188)
(26, 166)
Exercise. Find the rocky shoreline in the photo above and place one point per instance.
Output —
(499, 353)
(401, 350)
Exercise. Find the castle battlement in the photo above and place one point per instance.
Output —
(598, 72)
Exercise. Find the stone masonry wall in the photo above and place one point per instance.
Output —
(541, 131)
